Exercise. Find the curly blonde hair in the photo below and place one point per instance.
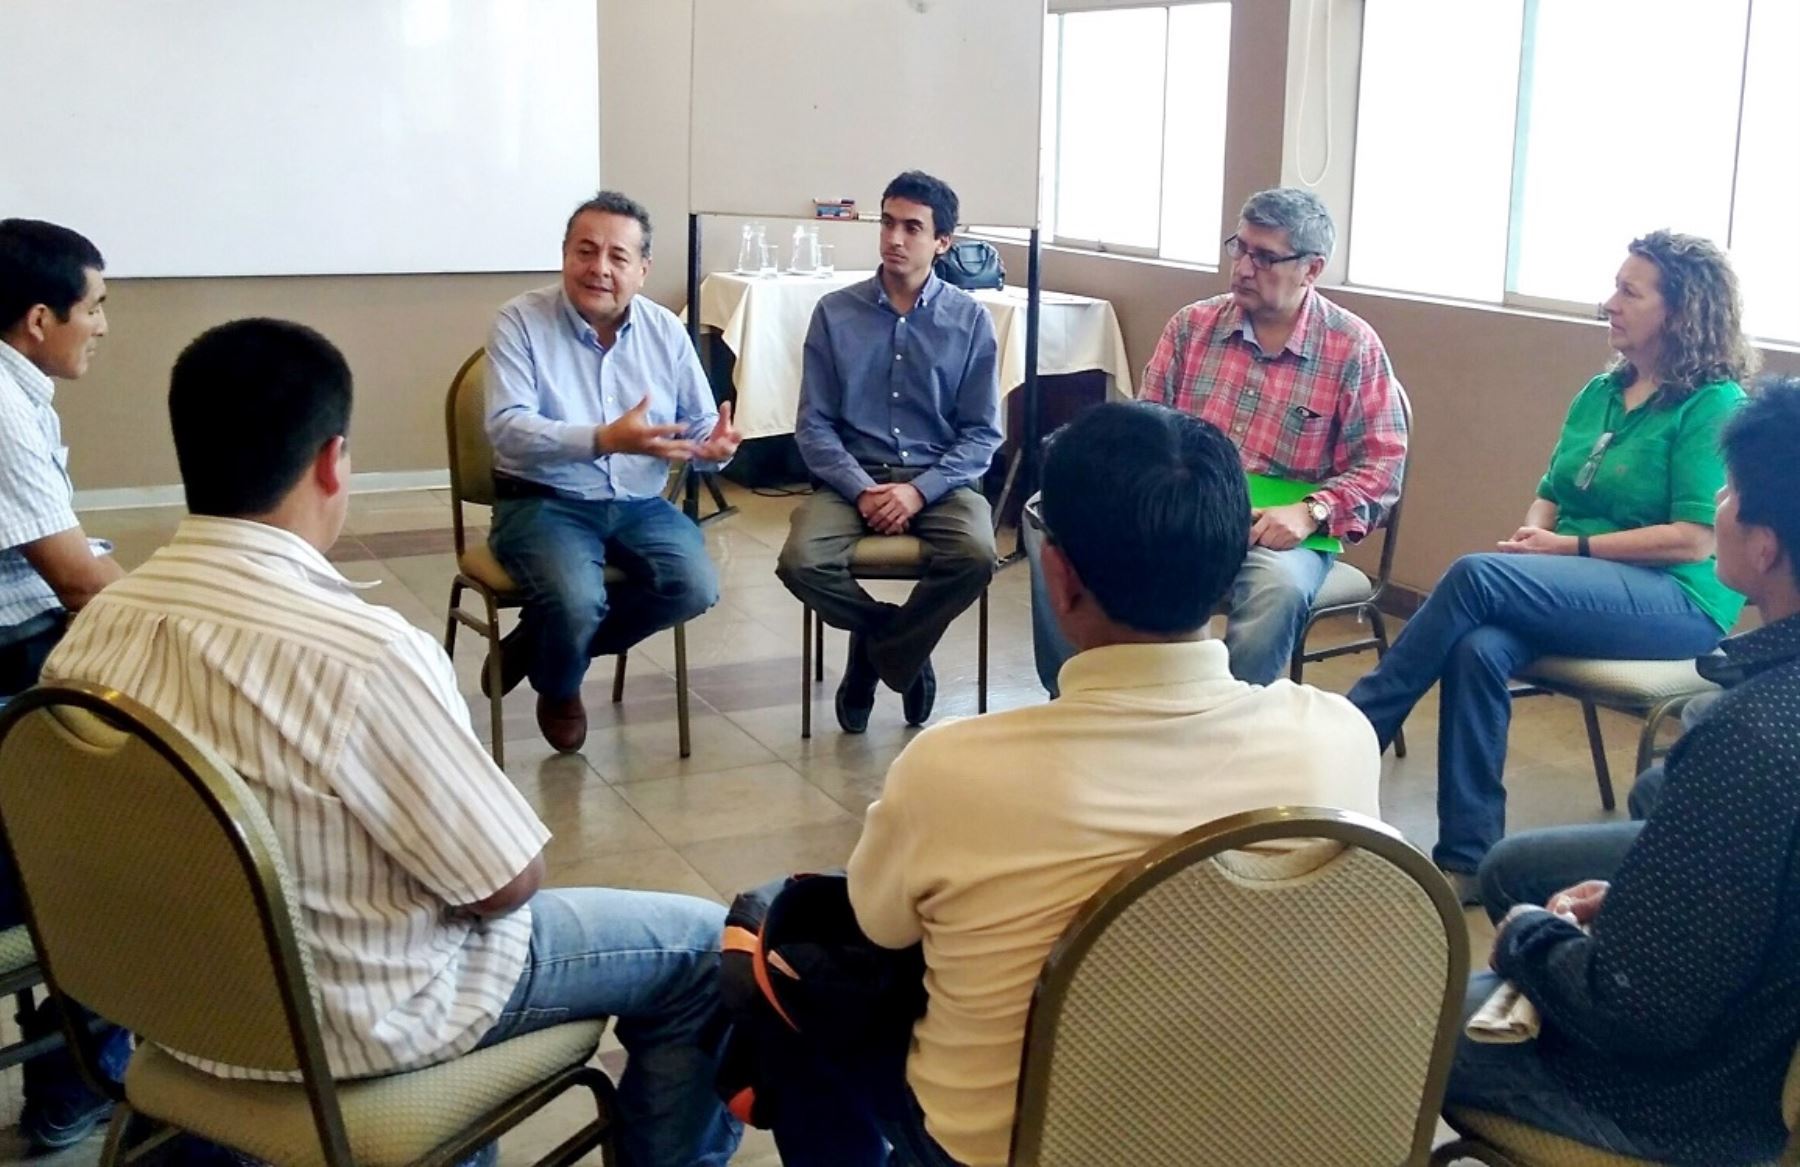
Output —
(1703, 327)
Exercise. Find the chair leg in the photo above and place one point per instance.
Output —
(450, 621)
(1597, 745)
(1378, 627)
(682, 731)
(819, 647)
(1647, 751)
(497, 745)
(806, 670)
(619, 676)
(981, 666)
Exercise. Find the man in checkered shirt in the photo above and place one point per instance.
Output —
(1305, 391)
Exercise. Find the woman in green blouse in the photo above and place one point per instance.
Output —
(1615, 557)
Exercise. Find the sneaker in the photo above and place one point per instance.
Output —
(856, 692)
(54, 1123)
(920, 696)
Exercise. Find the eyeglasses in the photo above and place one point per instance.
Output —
(1259, 259)
(1584, 477)
(1034, 515)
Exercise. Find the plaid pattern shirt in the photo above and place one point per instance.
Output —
(1325, 408)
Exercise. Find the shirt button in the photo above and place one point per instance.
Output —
(896, 429)
(896, 395)
(897, 356)
(903, 453)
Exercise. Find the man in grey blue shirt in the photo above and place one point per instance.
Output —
(592, 391)
(898, 421)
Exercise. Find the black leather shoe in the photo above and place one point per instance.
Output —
(856, 692)
(920, 696)
(515, 662)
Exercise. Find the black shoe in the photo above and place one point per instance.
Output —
(62, 1122)
(515, 662)
(920, 696)
(856, 692)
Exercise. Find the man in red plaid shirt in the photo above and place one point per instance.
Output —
(1305, 391)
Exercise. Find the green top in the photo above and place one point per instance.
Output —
(1662, 464)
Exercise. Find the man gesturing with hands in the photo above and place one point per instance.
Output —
(592, 391)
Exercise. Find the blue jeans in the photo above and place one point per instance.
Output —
(1488, 617)
(650, 960)
(1514, 1080)
(1532, 867)
(837, 1115)
(1269, 602)
(557, 549)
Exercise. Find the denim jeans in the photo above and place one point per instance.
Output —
(1488, 617)
(1513, 1080)
(838, 1115)
(557, 550)
(1532, 867)
(650, 960)
(1269, 602)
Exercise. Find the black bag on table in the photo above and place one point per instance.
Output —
(971, 264)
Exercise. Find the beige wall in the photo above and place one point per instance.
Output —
(1489, 385)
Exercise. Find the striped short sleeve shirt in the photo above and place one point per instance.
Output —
(345, 721)
(36, 498)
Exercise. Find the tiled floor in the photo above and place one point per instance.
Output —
(754, 799)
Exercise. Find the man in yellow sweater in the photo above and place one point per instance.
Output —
(992, 832)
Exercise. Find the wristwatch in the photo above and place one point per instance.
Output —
(1319, 511)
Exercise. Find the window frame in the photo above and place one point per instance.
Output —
(1053, 176)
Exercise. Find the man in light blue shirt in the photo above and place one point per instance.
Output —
(592, 391)
(898, 420)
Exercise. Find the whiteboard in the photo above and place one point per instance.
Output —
(268, 137)
(801, 99)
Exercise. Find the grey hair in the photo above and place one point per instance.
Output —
(1298, 212)
(611, 202)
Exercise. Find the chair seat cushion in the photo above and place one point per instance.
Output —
(480, 565)
(16, 951)
(1538, 1148)
(882, 554)
(1343, 585)
(390, 1121)
(1634, 683)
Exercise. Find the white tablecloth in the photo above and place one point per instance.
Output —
(763, 321)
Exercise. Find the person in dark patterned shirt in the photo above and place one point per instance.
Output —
(1668, 1025)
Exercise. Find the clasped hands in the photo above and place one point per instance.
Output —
(1578, 905)
(888, 507)
(635, 433)
(1536, 540)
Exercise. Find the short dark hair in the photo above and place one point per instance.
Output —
(42, 263)
(252, 403)
(915, 186)
(1760, 442)
(1151, 508)
(611, 202)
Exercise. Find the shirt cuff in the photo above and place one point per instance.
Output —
(932, 485)
(1344, 521)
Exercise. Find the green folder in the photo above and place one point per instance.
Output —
(1277, 492)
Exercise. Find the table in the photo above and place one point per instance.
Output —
(763, 321)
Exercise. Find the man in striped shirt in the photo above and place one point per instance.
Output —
(1305, 391)
(52, 315)
(417, 861)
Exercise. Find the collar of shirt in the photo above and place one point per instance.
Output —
(927, 292)
(1741, 657)
(584, 332)
(274, 547)
(35, 383)
(1303, 341)
(1201, 664)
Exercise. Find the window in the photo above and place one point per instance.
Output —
(1509, 150)
(1134, 129)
